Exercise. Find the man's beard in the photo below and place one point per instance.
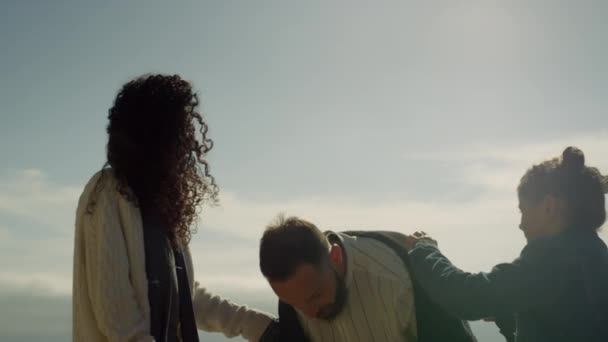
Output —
(334, 309)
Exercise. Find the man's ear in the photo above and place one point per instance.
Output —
(335, 254)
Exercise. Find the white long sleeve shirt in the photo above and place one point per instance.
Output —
(110, 289)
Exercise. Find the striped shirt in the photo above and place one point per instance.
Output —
(380, 300)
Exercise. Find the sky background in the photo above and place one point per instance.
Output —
(397, 115)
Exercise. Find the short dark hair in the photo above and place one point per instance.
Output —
(581, 187)
(288, 243)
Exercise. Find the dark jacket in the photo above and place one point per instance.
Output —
(557, 289)
(171, 311)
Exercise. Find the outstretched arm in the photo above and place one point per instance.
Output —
(506, 289)
(216, 314)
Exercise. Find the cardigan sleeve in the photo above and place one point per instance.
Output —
(116, 311)
(216, 314)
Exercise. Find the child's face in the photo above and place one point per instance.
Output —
(540, 219)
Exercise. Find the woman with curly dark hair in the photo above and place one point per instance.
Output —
(133, 274)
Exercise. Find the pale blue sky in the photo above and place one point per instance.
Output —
(387, 114)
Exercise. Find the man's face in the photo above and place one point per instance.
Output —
(316, 291)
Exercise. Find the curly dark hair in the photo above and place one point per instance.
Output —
(581, 187)
(154, 152)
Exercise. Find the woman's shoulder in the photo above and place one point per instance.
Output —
(103, 181)
(100, 186)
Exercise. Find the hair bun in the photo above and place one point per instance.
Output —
(573, 158)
